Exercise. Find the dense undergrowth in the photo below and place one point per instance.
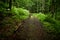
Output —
(11, 20)
(51, 25)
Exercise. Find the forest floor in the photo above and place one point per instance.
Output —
(30, 29)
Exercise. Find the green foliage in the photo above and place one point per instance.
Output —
(40, 16)
(58, 14)
(3, 6)
(23, 3)
(11, 20)
(52, 25)
(20, 13)
(49, 27)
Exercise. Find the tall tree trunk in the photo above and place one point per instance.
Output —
(10, 4)
(52, 8)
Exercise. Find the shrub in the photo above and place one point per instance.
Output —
(11, 20)
(20, 13)
(40, 16)
(52, 24)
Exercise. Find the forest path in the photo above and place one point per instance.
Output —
(31, 29)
